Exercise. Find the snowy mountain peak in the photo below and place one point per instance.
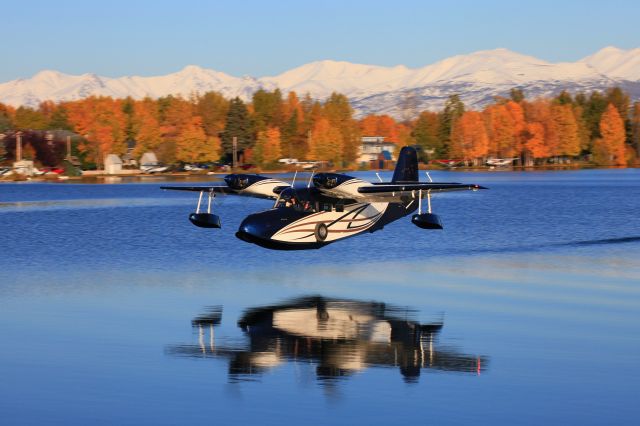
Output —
(617, 63)
(477, 76)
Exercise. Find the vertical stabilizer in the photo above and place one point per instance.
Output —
(407, 166)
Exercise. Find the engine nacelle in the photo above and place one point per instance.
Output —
(254, 184)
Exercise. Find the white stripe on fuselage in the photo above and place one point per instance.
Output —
(355, 218)
(347, 189)
(264, 187)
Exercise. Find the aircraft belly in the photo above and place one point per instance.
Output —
(354, 219)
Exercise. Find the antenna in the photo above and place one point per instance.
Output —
(294, 178)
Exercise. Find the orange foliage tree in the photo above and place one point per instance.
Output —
(267, 148)
(102, 123)
(610, 148)
(501, 129)
(469, 138)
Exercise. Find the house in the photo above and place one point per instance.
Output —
(112, 164)
(374, 148)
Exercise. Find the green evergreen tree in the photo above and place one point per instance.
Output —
(563, 98)
(516, 94)
(59, 119)
(28, 118)
(592, 113)
(453, 110)
(425, 133)
(621, 101)
(238, 125)
(290, 135)
(129, 125)
(267, 109)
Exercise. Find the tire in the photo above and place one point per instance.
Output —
(321, 232)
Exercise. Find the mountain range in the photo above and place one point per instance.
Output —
(399, 91)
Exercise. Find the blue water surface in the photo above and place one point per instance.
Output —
(535, 282)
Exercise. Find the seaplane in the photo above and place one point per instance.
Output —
(327, 208)
(501, 162)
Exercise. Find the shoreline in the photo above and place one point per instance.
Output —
(97, 176)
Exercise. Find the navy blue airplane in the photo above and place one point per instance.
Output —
(331, 207)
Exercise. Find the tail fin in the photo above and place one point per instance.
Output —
(407, 166)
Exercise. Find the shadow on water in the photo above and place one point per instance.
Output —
(340, 337)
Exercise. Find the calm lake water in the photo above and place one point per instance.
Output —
(114, 309)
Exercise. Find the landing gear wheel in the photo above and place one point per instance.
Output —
(321, 232)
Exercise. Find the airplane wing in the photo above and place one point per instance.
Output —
(396, 191)
(238, 184)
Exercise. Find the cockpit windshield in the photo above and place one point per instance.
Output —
(289, 199)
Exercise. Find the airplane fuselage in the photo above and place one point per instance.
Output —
(316, 220)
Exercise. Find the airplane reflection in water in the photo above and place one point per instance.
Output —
(339, 337)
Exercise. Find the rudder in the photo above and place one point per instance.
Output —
(407, 166)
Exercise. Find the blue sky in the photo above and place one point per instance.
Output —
(259, 38)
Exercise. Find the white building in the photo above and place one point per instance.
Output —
(112, 164)
(373, 147)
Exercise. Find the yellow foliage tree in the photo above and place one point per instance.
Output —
(267, 148)
(326, 143)
(193, 145)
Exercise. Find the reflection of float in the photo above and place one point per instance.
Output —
(339, 336)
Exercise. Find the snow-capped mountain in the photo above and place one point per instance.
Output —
(478, 77)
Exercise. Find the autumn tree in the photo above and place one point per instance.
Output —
(148, 135)
(267, 148)
(535, 147)
(610, 148)
(193, 145)
(380, 125)
(501, 129)
(338, 111)
(6, 122)
(568, 142)
(469, 138)
(101, 122)
(326, 142)
(213, 108)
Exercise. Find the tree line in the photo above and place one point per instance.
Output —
(601, 127)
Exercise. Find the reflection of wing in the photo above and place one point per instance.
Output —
(396, 191)
(247, 185)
